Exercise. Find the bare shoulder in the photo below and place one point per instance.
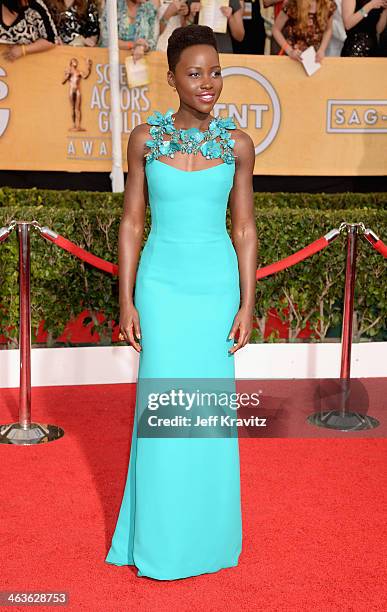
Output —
(137, 139)
(139, 134)
(244, 147)
(242, 140)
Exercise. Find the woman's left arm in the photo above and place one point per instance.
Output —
(382, 22)
(147, 29)
(13, 52)
(235, 20)
(325, 40)
(244, 236)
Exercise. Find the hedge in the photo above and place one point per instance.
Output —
(309, 293)
(85, 199)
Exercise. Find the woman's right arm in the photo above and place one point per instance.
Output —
(351, 17)
(125, 44)
(338, 29)
(380, 26)
(278, 26)
(280, 38)
(167, 12)
(131, 233)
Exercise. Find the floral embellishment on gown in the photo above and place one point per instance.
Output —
(213, 143)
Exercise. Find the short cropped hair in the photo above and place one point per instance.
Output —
(186, 36)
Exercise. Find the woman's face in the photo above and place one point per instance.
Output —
(197, 78)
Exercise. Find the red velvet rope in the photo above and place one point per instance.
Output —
(69, 246)
(381, 247)
(378, 245)
(293, 259)
(97, 262)
(4, 234)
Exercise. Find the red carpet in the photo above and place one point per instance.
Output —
(314, 516)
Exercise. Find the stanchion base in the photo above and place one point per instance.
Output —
(349, 421)
(36, 433)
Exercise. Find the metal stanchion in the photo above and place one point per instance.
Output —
(345, 419)
(25, 433)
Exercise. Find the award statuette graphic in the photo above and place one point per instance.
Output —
(74, 76)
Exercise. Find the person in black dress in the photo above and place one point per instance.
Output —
(235, 29)
(77, 21)
(363, 21)
(255, 34)
(383, 43)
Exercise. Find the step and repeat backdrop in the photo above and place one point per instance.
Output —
(55, 111)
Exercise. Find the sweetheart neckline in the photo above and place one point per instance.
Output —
(191, 171)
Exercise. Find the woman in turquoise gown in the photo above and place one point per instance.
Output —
(194, 293)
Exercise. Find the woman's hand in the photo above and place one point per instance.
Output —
(141, 41)
(375, 4)
(130, 326)
(90, 41)
(195, 8)
(175, 8)
(320, 56)
(243, 322)
(172, 9)
(183, 8)
(138, 49)
(294, 54)
(12, 53)
(227, 11)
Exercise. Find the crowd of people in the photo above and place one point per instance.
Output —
(355, 28)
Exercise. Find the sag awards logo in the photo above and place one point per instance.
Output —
(356, 117)
(96, 108)
(5, 113)
(252, 102)
(247, 97)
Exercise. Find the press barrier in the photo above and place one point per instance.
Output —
(26, 432)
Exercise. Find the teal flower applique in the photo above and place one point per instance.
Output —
(211, 149)
(169, 147)
(159, 119)
(214, 128)
(226, 122)
(192, 134)
(213, 143)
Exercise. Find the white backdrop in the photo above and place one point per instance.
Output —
(119, 364)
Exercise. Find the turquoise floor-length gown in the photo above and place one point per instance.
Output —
(181, 510)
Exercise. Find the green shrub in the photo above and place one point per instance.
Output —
(63, 286)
